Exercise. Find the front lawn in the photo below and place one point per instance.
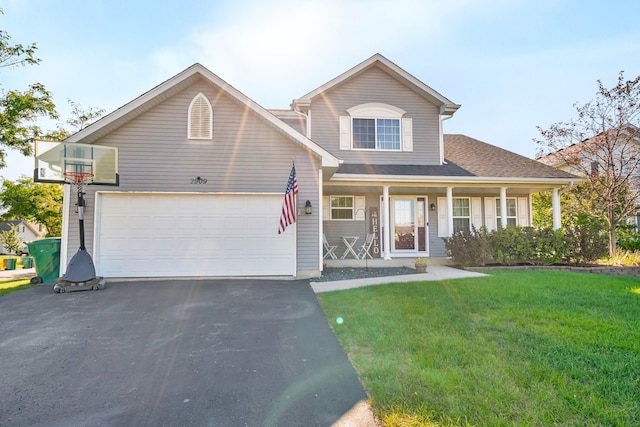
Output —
(529, 348)
(14, 286)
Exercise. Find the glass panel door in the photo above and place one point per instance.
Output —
(403, 223)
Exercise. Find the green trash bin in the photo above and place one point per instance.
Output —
(46, 253)
(10, 263)
(27, 262)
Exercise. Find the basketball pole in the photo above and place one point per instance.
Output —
(81, 216)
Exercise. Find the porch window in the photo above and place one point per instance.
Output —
(341, 207)
(461, 214)
(512, 212)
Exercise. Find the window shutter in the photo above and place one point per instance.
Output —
(476, 212)
(345, 132)
(523, 211)
(360, 208)
(443, 223)
(407, 134)
(490, 213)
(200, 118)
(326, 209)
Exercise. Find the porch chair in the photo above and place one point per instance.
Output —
(329, 249)
(363, 251)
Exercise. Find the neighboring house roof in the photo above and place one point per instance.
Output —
(177, 83)
(447, 107)
(6, 226)
(572, 153)
(466, 159)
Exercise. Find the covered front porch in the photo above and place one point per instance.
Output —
(412, 219)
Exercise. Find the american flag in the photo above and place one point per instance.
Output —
(288, 215)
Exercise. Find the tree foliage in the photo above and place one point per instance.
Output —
(11, 240)
(19, 109)
(602, 145)
(36, 202)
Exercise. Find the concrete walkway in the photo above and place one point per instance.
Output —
(18, 273)
(434, 272)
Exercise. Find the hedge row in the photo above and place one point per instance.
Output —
(526, 245)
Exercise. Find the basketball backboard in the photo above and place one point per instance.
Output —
(53, 159)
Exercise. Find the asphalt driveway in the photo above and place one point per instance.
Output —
(172, 353)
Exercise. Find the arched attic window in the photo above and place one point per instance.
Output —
(200, 125)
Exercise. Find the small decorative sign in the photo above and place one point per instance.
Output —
(374, 228)
(198, 180)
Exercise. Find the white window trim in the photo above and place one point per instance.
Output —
(469, 217)
(358, 208)
(375, 111)
(196, 98)
(353, 208)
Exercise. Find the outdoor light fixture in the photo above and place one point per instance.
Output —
(307, 207)
(432, 206)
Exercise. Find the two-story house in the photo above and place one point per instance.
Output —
(203, 169)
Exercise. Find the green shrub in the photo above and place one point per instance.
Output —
(549, 246)
(469, 249)
(512, 245)
(538, 246)
(628, 238)
(585, 244)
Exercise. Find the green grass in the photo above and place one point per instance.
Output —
(526, 348)
(14, 286)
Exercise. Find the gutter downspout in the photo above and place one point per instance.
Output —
(442, 161)
(567, 188)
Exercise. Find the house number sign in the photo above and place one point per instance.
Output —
(198, 180)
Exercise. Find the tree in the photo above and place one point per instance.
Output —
(11, 240)
(20, 109)
(80, 118)
(37, 202)
(602, 145)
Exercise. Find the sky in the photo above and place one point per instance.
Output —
(513, 65)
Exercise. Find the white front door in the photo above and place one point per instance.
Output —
(409, 225)
(403, 225)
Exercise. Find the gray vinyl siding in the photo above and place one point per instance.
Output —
(374, 85)
(246, 155)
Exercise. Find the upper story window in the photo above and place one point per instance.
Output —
(376, 126)
(200, 124)
(376, 134)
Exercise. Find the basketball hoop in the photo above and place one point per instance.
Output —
(78, 178)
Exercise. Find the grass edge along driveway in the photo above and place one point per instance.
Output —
(516, 348)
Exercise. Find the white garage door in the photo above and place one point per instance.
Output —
(165, 235)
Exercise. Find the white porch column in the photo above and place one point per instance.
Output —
(450, 210)
(387, 222)
(555, 206)
(503, 207)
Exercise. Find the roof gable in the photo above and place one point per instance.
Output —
(177, 83)
(447, 107)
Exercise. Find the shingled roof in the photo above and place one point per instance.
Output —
(486, 160)
(466, 157)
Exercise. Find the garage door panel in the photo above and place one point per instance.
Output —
(154, 235)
